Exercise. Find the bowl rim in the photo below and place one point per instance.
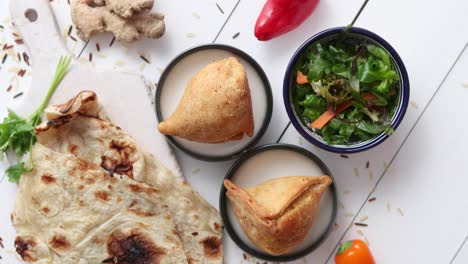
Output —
(268, 92)
(227, 223)
(399, 113)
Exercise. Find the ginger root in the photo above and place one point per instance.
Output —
(126, 19)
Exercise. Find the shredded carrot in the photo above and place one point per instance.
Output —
(328, 115)
(301, 78)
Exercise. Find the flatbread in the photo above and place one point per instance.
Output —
(69, 210)
(199, 225)
(216, 106)
(277, 215)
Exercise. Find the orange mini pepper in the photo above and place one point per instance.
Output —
(354, 252)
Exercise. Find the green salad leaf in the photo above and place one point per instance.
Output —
(18, 134)
(353, 77)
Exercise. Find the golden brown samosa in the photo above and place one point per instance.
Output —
(278, 214)
(216, 106)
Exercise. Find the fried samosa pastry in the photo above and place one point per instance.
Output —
(216, 106)
(277, 214)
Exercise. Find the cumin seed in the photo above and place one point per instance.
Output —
(2, 27)
(98, 48)
(73, 38)
(145, 59)
(19, 56)
(4, 58)
(9, 88)
(17, 95)
(112, 42)
(220, 9)
(19, 41)
(344, 156)
(372, 199)
(90, 57)
(236, 35)
(70, 30)
(361, 224)
(367, 164)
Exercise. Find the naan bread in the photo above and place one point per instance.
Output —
(277, 215)
(198, 224)
(216, 106)
(69, 210)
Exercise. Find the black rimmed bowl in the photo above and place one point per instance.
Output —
(272, 161)
(403, 91)
(174, 80)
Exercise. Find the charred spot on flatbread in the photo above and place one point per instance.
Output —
(48, 179)
(73, 149)
(25, 248)
(133, 248)
(212, 246)
(124, 166)
(102, 195)
(59, 243)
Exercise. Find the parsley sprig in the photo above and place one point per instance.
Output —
(18, 134)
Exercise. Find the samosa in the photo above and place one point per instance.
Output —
(278, 214)
(216, 106)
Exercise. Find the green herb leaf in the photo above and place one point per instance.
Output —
(18, 134)
(14, 172)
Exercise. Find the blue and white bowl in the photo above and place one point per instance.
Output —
(316, 139)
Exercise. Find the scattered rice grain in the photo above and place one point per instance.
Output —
(359, 231)
(400, 211)
(195, 171)
(340, 204)
(349, 214)
(190, 35)
(356, 172)
(361, 224)
(112, 41)
(371, 175)
(414, 104)
(196, 15)
(301, 141)
(145, 59)
(389, 207)
(220, 9)
(465, 85)
(17, 95)
(346, 192)
(120, 63)
(363, 218)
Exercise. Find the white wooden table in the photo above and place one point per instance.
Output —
(419, 176)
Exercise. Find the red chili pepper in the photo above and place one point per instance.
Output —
(281, 16)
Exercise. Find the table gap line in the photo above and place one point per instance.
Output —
(459, 249)
(284, 132)
(83, 49)
(398, 150)
(225, 22)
